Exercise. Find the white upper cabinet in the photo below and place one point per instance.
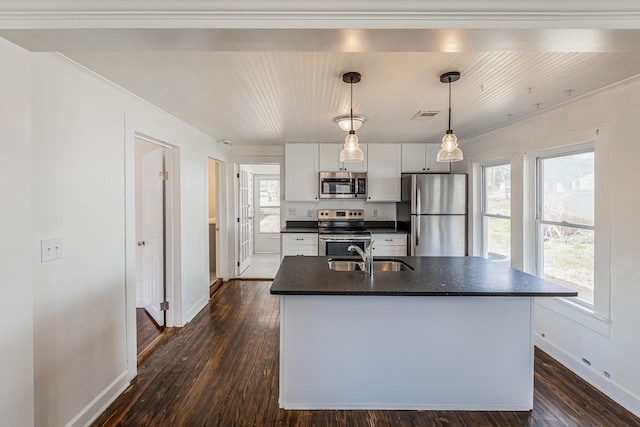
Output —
(383, 177)
(301, 171)
(330, 159)
(422, 158)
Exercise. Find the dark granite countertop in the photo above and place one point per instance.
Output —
(386, 230)
(299, 230)
(432, 276)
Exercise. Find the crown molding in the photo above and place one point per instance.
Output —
(75, 14)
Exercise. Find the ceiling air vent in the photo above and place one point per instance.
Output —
(424, 115)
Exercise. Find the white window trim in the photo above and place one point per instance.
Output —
(596, 317)
(483, 216)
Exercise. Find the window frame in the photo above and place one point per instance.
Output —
(483, 205)
(539, 222)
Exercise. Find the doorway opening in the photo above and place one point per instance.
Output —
(213, 176)
(258, 222)
(151, 175)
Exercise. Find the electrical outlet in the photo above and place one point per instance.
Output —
(375, 213)
(292, 211)
(51, 249)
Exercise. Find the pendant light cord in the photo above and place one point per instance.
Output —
(449, 103)
(351, 103)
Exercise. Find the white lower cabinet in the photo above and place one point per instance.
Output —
(389, 244)
(299, 244)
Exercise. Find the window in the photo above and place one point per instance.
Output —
(269, 205)
(565, 221)
(496, 211)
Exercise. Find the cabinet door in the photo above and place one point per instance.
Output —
(431, 164)
(413, 157)
(300, 244)
(301, 171)
(330, 157)
(356, 166)
(384, 173)
(390, 251)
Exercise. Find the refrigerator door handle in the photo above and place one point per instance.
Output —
(418, 202)
(417, 230)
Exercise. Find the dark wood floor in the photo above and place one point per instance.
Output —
(222, 370)
(148, 330)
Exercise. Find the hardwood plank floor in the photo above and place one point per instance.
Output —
(222, 370)
(148, 330)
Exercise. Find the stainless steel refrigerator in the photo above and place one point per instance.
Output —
(434, 210)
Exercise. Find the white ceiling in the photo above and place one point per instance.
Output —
(268, 72)
(275, 97)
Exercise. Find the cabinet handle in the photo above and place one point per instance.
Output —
(424, 169)
(388, 240)
(369, 197)
(299, 239)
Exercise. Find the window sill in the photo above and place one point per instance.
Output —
(578, 313)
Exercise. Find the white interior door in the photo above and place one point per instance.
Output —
(266, 216)
(153, 234)
(245, 223)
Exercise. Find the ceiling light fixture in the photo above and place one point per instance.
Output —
(449, 151)
(351, 151)
(344, 121)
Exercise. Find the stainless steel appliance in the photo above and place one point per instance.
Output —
(434, 210)
(340, 228)
(342, 185)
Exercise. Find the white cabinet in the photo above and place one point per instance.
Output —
(422, 158)
(299, 244)
(383, 177)
(330, 159)
(301, 171)
(392, 244)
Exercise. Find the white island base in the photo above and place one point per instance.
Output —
(406, 352)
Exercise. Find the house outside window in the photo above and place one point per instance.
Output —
(496, 212)
(565, 226)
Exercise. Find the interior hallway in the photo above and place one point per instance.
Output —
(222, 370)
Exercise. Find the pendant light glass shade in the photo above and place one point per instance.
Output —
(449, 151)
(351, 151)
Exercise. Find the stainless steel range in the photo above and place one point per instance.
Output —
(340, 228)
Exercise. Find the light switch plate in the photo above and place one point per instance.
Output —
(51, 249)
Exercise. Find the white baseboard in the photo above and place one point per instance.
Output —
(195, 309)
(611, 388)
(139, 302)
(102, 401)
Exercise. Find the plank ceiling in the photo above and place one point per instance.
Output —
(276, 97)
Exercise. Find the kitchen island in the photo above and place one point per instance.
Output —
(446, 333)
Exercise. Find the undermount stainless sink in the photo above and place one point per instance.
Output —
(378, 265)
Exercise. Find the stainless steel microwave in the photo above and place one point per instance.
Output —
(343, 185)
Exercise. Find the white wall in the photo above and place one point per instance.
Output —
(83, 132)
(610, 340)
(16, 285)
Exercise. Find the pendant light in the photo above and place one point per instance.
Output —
(351, 151)
(449, 151)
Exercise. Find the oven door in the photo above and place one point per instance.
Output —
(337, 245)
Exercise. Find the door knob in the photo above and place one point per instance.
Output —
(141, 243)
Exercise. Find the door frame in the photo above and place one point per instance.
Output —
(172, 240)
(220, 211)
(236, 197)
(170, 235)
